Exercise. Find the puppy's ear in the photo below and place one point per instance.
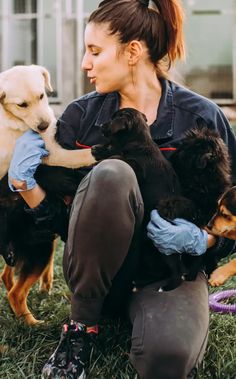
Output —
(2, 95)
(47, 78)
(204, 160)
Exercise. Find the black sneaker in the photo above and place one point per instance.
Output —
(74, 349)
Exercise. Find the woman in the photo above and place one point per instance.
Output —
(129, 48)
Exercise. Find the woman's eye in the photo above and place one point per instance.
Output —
(94, 51)
(23, 105)
(227, 217)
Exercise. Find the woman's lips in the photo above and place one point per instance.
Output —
(92, 80)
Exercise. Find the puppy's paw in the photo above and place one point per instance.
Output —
(219, 276)
(101, 152)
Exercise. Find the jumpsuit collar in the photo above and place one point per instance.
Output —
(162, 128)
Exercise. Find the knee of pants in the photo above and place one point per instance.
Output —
(161, 362)
(110, 172)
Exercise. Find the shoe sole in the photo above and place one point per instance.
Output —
(82, 376)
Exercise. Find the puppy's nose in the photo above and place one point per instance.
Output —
(43, 125)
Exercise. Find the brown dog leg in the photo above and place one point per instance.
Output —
(222, 273)
(18, 296)
(46, 279)
(7, 277)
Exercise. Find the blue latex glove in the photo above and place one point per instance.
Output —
(28, 153)
(177, 236)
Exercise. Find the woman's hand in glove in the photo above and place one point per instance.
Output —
(28, 153)
(177, 236)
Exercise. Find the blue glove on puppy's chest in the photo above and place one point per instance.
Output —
(28, 153)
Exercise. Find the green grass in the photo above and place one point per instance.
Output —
(29, 347)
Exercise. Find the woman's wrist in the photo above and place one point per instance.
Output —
(34, 196)
(211, 241)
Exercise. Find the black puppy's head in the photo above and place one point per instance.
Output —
(126, 125)
(203, 151)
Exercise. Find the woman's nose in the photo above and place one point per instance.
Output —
(86, 63)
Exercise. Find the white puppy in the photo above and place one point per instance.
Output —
(24, 105)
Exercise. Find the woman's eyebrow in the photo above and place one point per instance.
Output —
(90, 46)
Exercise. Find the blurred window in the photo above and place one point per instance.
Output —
(24, 6)
(31, 34)
(210, 34)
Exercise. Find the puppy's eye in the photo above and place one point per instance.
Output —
(23, 105)
(41, 96)
(226, 217)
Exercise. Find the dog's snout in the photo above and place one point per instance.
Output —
(43, 126)
(209, 226)
(103, 128)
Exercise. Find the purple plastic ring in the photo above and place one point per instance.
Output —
(217, 306)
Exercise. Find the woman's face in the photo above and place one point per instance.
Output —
(104, 60)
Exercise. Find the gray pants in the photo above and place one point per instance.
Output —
(101, 258)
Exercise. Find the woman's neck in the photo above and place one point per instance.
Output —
(143, 96)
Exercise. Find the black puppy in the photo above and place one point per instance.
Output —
(129, 139)
(203, 166)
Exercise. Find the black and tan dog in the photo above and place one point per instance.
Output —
(202, 165)
(27, 248)
(223, 224)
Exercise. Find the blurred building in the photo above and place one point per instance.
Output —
(210, 33)
(50, 33)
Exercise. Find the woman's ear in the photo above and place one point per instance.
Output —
(135, 51)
